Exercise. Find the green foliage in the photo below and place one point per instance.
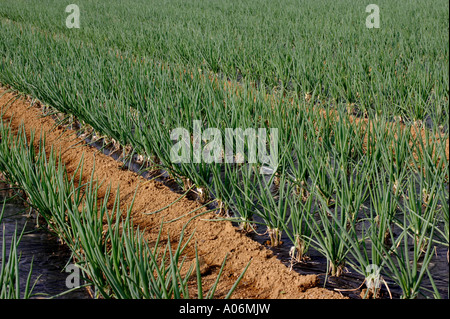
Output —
(134, 72)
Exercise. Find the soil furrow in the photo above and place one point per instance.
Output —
(266, 277)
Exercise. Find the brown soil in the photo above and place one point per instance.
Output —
(266, 277)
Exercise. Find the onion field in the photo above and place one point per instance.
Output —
(351, 122)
